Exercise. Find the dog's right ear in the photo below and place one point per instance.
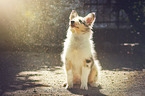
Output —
(73, 14)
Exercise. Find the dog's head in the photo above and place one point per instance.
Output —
(81, 24)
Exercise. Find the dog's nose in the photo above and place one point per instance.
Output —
(72, 22)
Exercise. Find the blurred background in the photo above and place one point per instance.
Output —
(34, 22)
(32, 25)
(40, 26)
(32, 33)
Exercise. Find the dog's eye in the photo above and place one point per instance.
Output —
(80, 21)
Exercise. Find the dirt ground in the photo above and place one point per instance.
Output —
(41, 74)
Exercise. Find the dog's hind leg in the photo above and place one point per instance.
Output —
(94, 75)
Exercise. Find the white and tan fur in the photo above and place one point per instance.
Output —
(78, 55)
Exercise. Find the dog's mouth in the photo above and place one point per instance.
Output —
(73, 26)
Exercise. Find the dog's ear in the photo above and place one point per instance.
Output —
(73, 14)
(90, 19)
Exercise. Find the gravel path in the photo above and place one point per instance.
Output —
(40, 74)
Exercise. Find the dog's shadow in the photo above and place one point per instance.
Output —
(92, 91)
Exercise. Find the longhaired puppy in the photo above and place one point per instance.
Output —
(78, 55)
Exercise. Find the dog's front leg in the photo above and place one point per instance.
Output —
(86, 68)
(69, 74)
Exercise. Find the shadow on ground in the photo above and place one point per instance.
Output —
(92, 91)
(121, 61)
(15, 62)
(22, 70)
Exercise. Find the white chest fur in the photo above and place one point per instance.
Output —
(77, 48)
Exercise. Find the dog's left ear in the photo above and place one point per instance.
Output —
(90, 19)
(73, 14)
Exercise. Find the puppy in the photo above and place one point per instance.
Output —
(78, 54)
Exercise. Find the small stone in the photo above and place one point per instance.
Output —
(143, 70)
(34, 91)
